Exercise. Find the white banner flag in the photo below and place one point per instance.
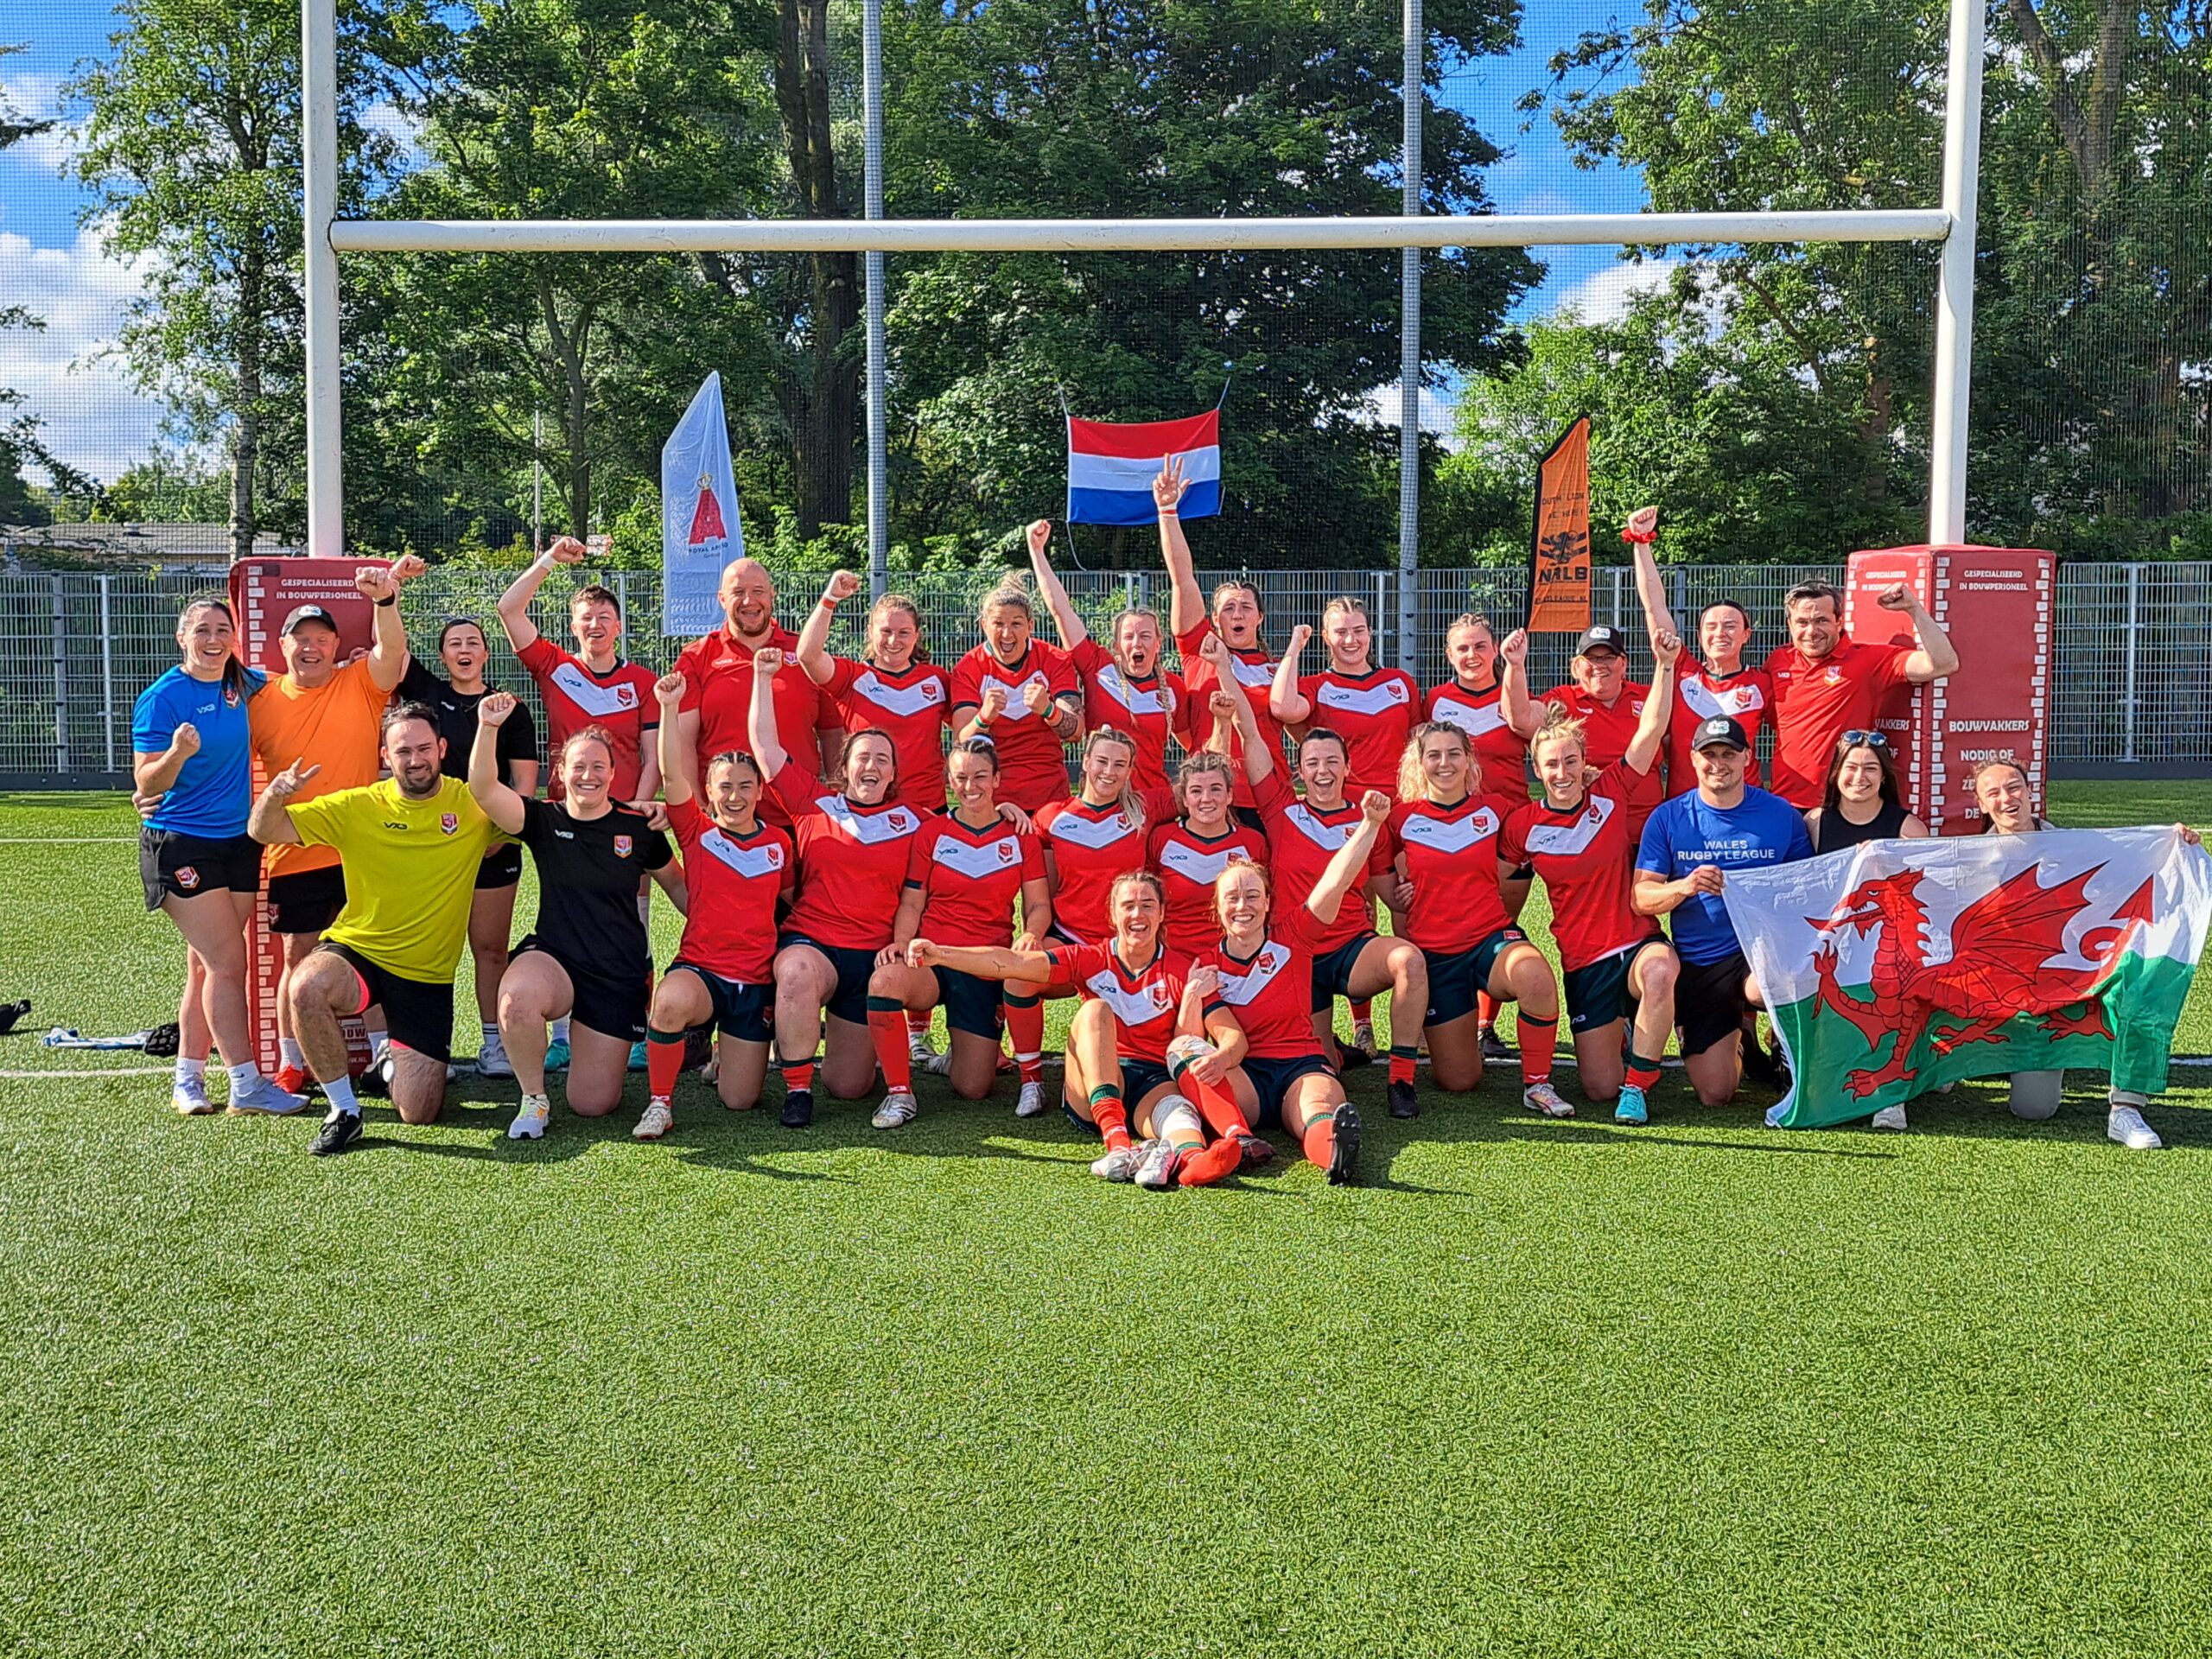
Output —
(699, 528)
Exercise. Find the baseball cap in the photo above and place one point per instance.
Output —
(1719, 733)
(1601, 637)
(309, 613)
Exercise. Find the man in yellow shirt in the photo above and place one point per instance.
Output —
(410, 847)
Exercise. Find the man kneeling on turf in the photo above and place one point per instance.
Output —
(410, 847)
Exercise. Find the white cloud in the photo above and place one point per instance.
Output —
(1436, 410)
(94, 418)
(1603, 295)
(36, 96)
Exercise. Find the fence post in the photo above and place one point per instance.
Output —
(2134, 628)
(622, 602)
(107, 669)
(61, 679)
(1398, 656)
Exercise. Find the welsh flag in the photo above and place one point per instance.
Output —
(1894, 966)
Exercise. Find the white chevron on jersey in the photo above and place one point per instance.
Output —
(1363, 699)
(590, 696)
(900, 699)
(1706, 703)
(871, 828)
(1015, 708)
(1474, 719)
(1331, 836)
(1449, 835)
(1133, 1005)
(1238, 991)
(1203, 868)
(764, 860)
(1565, 840)
(975, 861)
(1090, 832)
(1160, 700)
(1253, 676)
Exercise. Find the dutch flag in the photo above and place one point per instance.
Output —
(1111, 466)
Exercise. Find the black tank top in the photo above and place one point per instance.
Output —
(1835, 831)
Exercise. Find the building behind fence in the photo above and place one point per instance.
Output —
(2120, 696)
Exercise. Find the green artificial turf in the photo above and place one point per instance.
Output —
(1536, 1387)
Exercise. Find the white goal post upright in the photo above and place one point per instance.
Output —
(1951, 224)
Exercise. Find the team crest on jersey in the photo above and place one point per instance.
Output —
(230, 697)
(902, 822)
(188, 878)
(626, 696)
(449, 822)
(1006, 853)
(1160, 998)
(622, 845)
(1835, 675)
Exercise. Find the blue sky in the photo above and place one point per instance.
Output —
(95, 419)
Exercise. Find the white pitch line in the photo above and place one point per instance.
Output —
(68, 841)
(119, 1072)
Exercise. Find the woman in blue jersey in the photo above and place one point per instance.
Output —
(190, 748)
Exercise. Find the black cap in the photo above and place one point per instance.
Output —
(1601, 635)
(309, 613)
(1719, 733)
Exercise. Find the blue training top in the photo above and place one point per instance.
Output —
(1685, 832)
(213, 793)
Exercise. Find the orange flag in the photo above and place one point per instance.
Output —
(1558, 549)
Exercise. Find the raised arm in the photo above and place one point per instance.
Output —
(514, 604)
(1187, 605)
(813, 638)
(1259, 753)
(1049, 587)
(1658, 707)
(501, 804)
(380, 584)
(1348, 868)
(676, 757)
(1641, 527)
(1515, 700)
(270, 821)
(760, 721)
(1284, 701)
(1936, 656)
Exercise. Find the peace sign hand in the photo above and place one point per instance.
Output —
(1168, 487)
(289, 782)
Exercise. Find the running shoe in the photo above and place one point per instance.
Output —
(1762, 1064)
(1255, 1151)
(1891, 1118)
(1363, 1038)
(1120, 1164)
(530, 1122)
(1403, 1102)
(637, 1057)
(292, 1079)
(1157, 1164)
(1633, 1108)
(491, 1059)
(798, 1109)
(338, 1131)
(556, 1054)
(262, 1097)
(375, 1080)
(2125, 1125)
(1546, 1101)
(1495, 1047)
(1031, 1101)
(654, 1121)
(188, 1097)
(917, 1047)
(897, 1111)
(938, 1066)
(1344, 1146)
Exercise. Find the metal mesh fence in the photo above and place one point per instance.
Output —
(91, 643)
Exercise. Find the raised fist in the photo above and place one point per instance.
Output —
(1036, 699)
(375, 583)
(769, 659)
(1894, 597)
(185, 741)
(406, 567)
(669, 689)
(1515, 647)
(1040, 537)
(567, 549)
(1300, 636)
(843, 587)
(494, 709)
(1374, 805)
(1643, 525)
(993, 703)
(1666, 647)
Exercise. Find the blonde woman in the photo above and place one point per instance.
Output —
(1022, 694)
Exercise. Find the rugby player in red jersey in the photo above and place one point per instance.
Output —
(737, 869)
(1618, 964)
(719, 666)
(1374, 708)
(1608, 704)
(1190, 852)
(1022, 694)
(592, 685)
(966, 870)
(889, 688)
(1719, 684)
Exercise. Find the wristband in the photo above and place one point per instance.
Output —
(543, 563)
(382, 603)
(1169, 513)
(1643, 540)
(827, 603)
(981, 725)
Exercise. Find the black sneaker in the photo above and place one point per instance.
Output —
(1402, 1101)
(1495, 1047)
(1256, 1151)
(338, 1131)
(1350, 1059)
(375, 1081)
(1762, 1065)
(1343, 1150)
(798, 1109)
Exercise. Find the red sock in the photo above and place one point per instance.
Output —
(1642, 1073)
(887, 1023)
(1209, 1164)
(1320, 1140)
(1361, 1009)
(799, 1076)
(1538, 1039)
(1024, 1024)
(918, 1025)
(1486, 1010)
(664, 1062)
(1401, 1063)
(1111, 1116)
(1217, 1102)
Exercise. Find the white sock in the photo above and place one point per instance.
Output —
(243, 1077)
(560, 1030)
(491, 1031)
(288, 1050)
(2128, 1100)
(188, 1069)
(378, 1038)
(340, 1095)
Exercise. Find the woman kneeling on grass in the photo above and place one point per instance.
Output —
(588, 959)
(1137, 999)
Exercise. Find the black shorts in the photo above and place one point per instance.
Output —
(1271, 1081)
(612, 1004)
(418, 1015)
(1599, 994)
(1455, 976)
(170, 861)
(1709, 1001)
(307, 902)
(848, 1000)
(1332, 971)
(743, 1013)
(970, 1004)
(502, 867)
(1138, 1078)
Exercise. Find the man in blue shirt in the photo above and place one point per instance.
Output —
(1689, 845)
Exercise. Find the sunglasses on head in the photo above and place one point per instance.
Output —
(1862, 741)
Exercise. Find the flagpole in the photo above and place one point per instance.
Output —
(1416, 37)
(879, 448)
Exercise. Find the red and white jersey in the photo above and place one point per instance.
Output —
(1271, 992)
(1586, 855)
(1145, 1005)
(913, 707)
(1497, 747)
(1744, 696)
(620, 701)
(1375, 713)
(718, 670)
(970, 879)
(1256, 672)
(1302, 840)
(1606, 734)
(1150, 710)
(852, 861)
(735, 881)
(1189, 864)
(1817, 699)
(1032, 762)
(1090, 846)
(1451, 855)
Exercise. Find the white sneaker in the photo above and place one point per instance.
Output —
(1546, 1101)
(2125, 1124)
(918, 1048)
(654, 1121)
(491, 1059)
(938, 1066)
(1118, 1164)
(262, 1097)
(1032, 1100)
(188, 1097)
(1156, 1167)
(530, 1122)
(897, 1111)
(1890, 1117)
